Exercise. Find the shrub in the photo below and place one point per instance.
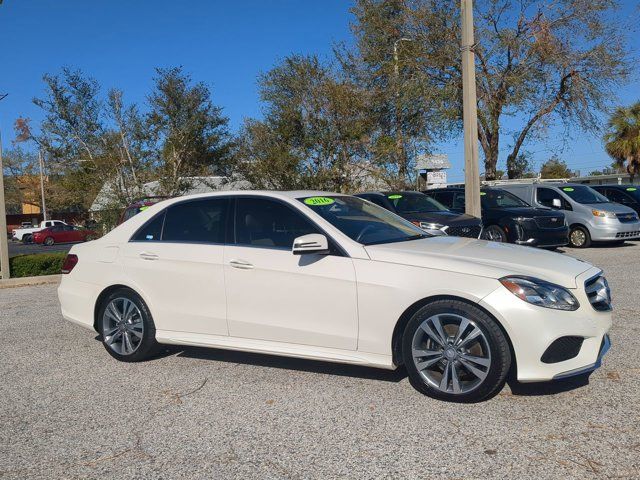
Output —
(36, 264)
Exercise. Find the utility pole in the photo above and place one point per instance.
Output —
(4, 246)
(402, 160)
(44, 204)
(470, 113)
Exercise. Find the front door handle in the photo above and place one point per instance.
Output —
(241, 264)
(148, 256)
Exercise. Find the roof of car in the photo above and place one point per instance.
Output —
(389, 192)
(616, 185)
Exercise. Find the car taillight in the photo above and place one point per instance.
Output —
(70, 261)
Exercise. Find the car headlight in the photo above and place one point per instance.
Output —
(429, 225)
(602, 213)
(541, 293)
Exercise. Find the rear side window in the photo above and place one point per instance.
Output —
(262, 222)
(151, 231)
(201, 221)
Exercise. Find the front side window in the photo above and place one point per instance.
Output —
(362, 221)
(546, 196)
(584, 194)
(499, 198)
(261, 222)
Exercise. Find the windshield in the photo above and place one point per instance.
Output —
(497, 198)
(363, 221)
(414, 203)
(584, 194)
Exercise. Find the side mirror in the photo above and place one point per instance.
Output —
(312, 243)
(556, 203)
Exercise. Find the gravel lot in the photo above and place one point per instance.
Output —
(70, 411)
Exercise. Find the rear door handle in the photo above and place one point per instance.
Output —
(241, 264)
(148, 256)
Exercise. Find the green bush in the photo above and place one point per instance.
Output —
(36, 264)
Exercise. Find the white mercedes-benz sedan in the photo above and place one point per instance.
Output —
(333, 277)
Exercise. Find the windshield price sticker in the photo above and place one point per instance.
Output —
(483, 194)
(631, 189)
(318, 201)
(394, 197)
(568, 189)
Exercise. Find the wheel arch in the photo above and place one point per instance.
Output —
(396, 339)
(104, 294)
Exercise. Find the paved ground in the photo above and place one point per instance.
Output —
(19, 248)
(67, 410)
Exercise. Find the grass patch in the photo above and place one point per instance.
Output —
(34, 265)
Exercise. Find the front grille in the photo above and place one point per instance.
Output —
(627, 217)
(599, 293)
(549, 222)
(471, 231)
(635, 233)
(561, 349)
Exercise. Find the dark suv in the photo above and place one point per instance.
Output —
(627, 195)
(426, 213)
(507, 218)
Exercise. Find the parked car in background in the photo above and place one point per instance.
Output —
(627, 195)
(138, 206)
(590, 215)
(426, 213)
(26, 234)
(332, 277)
(507, 218)
(63, 234)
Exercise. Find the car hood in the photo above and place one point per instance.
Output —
(481, 258)
(447, 218)
(609, 207)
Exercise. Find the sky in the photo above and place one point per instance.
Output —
(226, 44)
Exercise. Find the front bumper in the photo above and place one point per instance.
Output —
(533, 329)
(606, 345)
(541, 237)
(604, 230)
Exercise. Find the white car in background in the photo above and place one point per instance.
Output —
(333, 277)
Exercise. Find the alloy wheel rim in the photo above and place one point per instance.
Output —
(493, 235)
(122, 326)
(578, 237)
(451, 353)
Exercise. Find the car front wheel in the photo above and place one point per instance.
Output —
(494, 233)
(126, 326)
(579, 237)
(454, 351)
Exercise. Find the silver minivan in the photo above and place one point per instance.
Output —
(590, 215)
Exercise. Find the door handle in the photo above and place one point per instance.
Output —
(241, 264)
(148, 256)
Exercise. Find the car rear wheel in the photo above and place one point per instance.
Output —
(494, 233)
(49, 241)
(454, 351)
(579, 237)
(126, 326)
(27, 238)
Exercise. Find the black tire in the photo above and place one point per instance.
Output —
(49, 241)
(148, 346)
(27, 238)
(494, 339)
(579, 237)
(495, 233)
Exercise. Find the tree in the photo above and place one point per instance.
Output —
(555, 168)
(87, 142)
(538, 61)
(623, 138)
(315, 130)
(190, 134)
(397, 57)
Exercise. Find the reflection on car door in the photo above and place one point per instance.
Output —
(275, 295)
(176, 260)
